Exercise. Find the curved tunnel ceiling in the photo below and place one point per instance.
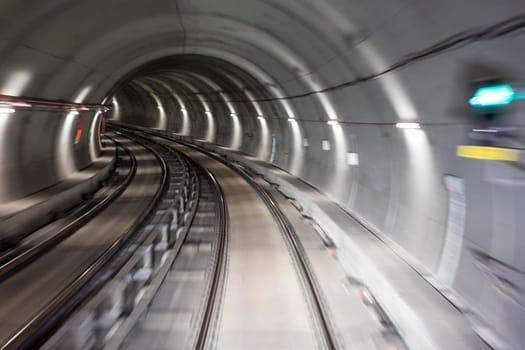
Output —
(313, 87)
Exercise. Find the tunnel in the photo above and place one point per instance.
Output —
(366, 104)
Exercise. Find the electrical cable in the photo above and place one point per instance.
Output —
(458, 40)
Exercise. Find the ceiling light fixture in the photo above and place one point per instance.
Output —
(408, 126)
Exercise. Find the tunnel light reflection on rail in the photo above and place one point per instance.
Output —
(408, 126)
(333, 122)
(366, 297)
(292, 120)
(260, 117)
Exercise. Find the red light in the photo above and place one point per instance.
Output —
(78, 135)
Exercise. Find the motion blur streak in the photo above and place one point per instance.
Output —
(394, 127)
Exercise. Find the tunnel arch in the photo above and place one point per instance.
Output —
(260, 54)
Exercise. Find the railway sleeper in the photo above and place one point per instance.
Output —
(109, 310)
(100, 320)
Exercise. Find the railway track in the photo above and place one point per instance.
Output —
(219, 265)
(314, 297)
(138, 269)
(54, 278)
(297, 250)
(44, 239)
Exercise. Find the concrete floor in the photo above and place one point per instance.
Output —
(263, 304)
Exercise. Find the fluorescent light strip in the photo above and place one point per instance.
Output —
(15, 104)
(292, 120)
(408, 126)
(10, 105)
(4, 110)
(332, 122)
(485, 130)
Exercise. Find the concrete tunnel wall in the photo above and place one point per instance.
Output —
(39, 149)
(456, 220)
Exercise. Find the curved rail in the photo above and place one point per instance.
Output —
(293, 243)
(222, 224)
(155, 248)
(32, 334)
(15, 260)
(300, 257)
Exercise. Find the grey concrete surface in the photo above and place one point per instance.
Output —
(37, 285)
(22, 216)
(263, 305)
(173, 318)
(356, 324)
(415, 304)
(243, 56)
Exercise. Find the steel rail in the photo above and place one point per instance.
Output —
(296, 248)
(292, 240)
(223, 227)
(32, 334)
(15, 260)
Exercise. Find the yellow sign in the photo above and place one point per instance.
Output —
(491, 153)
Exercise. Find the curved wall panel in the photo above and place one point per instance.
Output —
(362, 66)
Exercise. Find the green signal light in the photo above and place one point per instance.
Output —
(493, 96)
